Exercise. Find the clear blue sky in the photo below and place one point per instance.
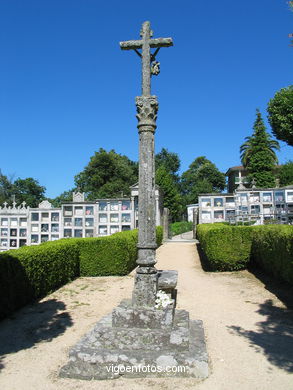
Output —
(67, 89)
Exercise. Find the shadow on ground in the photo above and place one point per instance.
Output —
(274, 336)
(203, 259)
(37, 323)
(282, 290)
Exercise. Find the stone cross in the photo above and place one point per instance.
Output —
(145, 287)
(145, 44)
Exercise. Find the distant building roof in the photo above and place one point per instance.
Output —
(241, 168)
(216, 193)
(236, 168)
(290, 187)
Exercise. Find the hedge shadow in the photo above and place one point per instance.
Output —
(40, 322)
(274, 335)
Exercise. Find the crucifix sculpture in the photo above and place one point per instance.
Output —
(145, 288)
(140, 333)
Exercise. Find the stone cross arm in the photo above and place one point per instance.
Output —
(154, 43)
(145, 44)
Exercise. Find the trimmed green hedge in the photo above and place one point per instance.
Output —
(159, 235)
(112, 255)
(272, 250)
(180, 227)
(227, 248)
(32, 272)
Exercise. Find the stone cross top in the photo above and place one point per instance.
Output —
(145, 44)
(145, 287)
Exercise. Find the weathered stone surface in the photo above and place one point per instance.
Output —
(167, 279)
(147, 108)
(136, 336)
(145, 289)
(166, 224)
(105, 336)
(127, 316)
(88, 360)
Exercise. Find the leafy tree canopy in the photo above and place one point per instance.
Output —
(29, 190)
(66, 196)
(280, 110)
(25, 190)
(258, 154)
(201, 176)
(286, 174)
(107, 175)
(170, 161)
(6, 188)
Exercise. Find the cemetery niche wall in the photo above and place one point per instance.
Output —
(253, 205)
(21, 225)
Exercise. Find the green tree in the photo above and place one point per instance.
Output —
(170, 161)
(202, 176)
(28, 190)
(107, 175)
(286, 174)
(25, 190)
(258, 154)
(6, 188)
(66, 196)
(280, 110)
(167, 165)
(172, 198)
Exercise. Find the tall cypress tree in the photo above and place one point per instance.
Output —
(258, 154)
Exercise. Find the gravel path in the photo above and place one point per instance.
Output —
(248, 329)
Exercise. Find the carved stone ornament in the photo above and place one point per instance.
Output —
(147, 108)
(45, 204)
(155, 68)
(78, 196)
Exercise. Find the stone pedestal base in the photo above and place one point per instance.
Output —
(145, 289)
(119, 345)
(128, 316)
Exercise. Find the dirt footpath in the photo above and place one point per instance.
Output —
(249, 331)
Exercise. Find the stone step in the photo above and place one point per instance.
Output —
(106, 337)
(86, 361)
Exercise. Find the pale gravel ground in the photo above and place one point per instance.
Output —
(248, 330)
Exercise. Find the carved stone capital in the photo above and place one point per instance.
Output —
(147, 109)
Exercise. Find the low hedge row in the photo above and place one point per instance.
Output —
(229, 248)
(180, 227)
(32, 272)
(272, 250)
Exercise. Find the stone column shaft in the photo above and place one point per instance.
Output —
(145, 288)
(146, 198)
